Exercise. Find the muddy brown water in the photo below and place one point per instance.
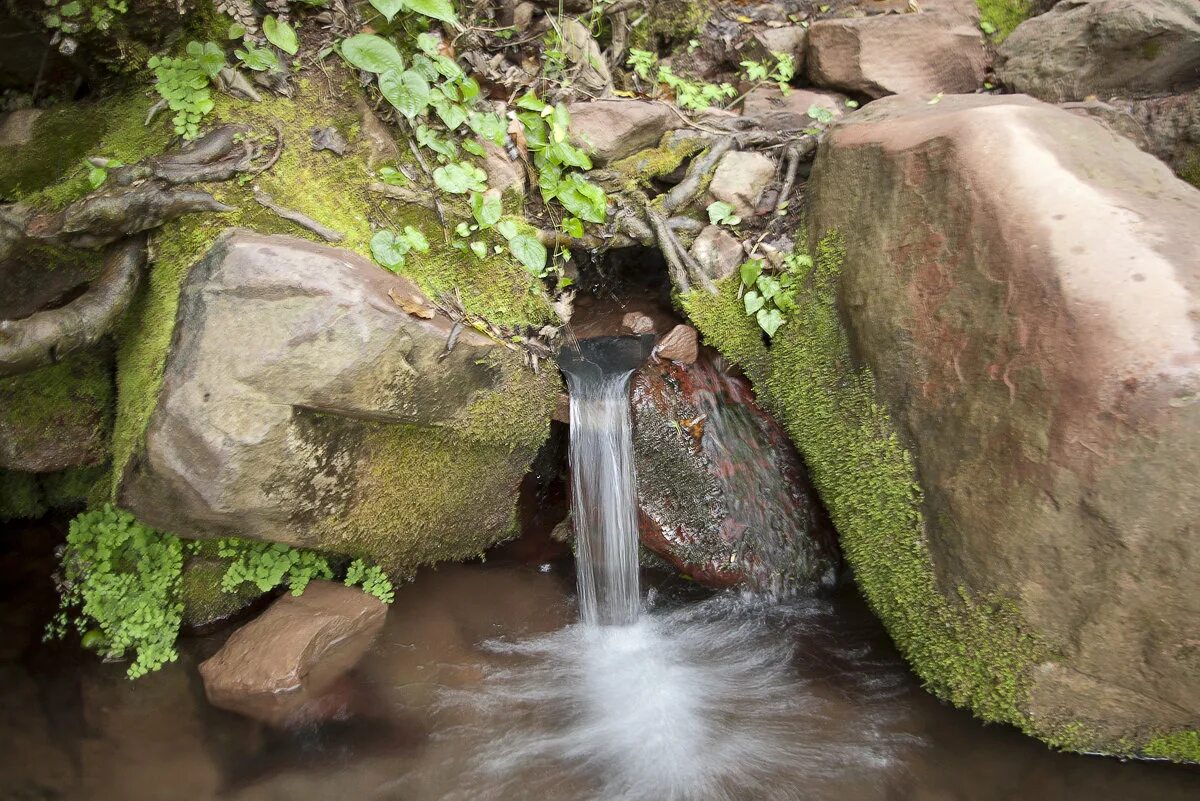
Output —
(482, 687)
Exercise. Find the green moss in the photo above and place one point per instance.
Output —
(1003, 15)
(1180, 746)
(76, 487)
(430, 494)
(641, 168)
(49, 172)
(20, 496)
(204, 602)
(72, 398)
(1189, 169)
(974, 652)
(669, 24)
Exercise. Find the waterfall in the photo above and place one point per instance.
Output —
(603, 488)
(604, 497)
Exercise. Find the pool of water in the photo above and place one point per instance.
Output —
(483, 687)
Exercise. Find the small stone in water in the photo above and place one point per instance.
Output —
(680, 345)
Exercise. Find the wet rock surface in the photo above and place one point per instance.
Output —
(722, 494)
(1025, 298)
(1103, 47)
(283, 667)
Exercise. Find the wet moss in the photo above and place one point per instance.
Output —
(1003, 15)
(49, 172)
(643, 167)
(1180, 746)
(975, 652)
(73, 398)
(204, 602)
(20, 496)
(76, 487)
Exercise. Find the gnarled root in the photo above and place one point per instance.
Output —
(46, 337)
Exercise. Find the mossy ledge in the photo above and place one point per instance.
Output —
(974, 652)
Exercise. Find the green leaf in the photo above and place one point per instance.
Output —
(750, 270)
(96, 175)
(423, 65)
(372, 53)
(489, 126)
(573, 226)
(260, 59)
(530, 102)
(768, 286)
(479, 249)
(583, 198)
(407, 91)
(486, 207)
(389, 249)
(473, 147)
(438, 9)
(769, 320)
(236, 31)
(753, 302)
(428, 43)
(458, 179)
(530, 252)
(719, 211)
(507, 229)
(388, 8)
(452, 114)
(282, 35)
(416, 239)
(210, 56)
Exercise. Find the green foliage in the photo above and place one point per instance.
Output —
(259, 59)
(721, 213)
(372, 53)
(689, 94)
(435, 9)
(373, 580)
(268, 565)
(460, 178)
(121, 580)
(998, 18)
(76, 17)
(1180, 746)
(781, 72)
(769, 297)
(184, 83)
(390, 248)
(281, 34)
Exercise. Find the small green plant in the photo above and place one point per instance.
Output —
(372, 579)
(120, 589)
(268, 565)
(770, 297)
(781, 73)
(459, 178)
(689, 94)
(257, 58)
(435, 9)
(185, 84)
(83, 16)
(721, 213)
(97, 170)
(391, 248)
(281, 34)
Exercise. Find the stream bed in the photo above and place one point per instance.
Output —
(483, 686)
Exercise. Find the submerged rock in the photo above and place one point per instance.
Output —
(926, 53)
(1021, 287)
(722, 494)
(279, 667)
(1102, 47)
(340, 421)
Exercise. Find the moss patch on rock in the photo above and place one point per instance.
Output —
(975, 652)
(204, 601)
(430, 494)
(1003, 15)
(1180, 746)
(331, 190)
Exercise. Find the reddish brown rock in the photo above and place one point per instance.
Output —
(1023, 286)
(679, 345)
(280, 667)
(722, 494)
(889, 54)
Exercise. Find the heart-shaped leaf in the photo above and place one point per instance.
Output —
(282, 35)
(438, 9)
(372, 53)
(530, 252)
(407, 91)
(769, 320)
(753, 302)
(388, 8)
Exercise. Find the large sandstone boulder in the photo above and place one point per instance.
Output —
(1023, 286)
(279, 667)
(722, 494)
(926, 53)
(1104, 47)
(309, 398)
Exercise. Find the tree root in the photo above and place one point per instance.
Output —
(46, 337)
(302, 220)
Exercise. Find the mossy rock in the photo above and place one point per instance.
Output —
(204, 601)
(58, 416)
